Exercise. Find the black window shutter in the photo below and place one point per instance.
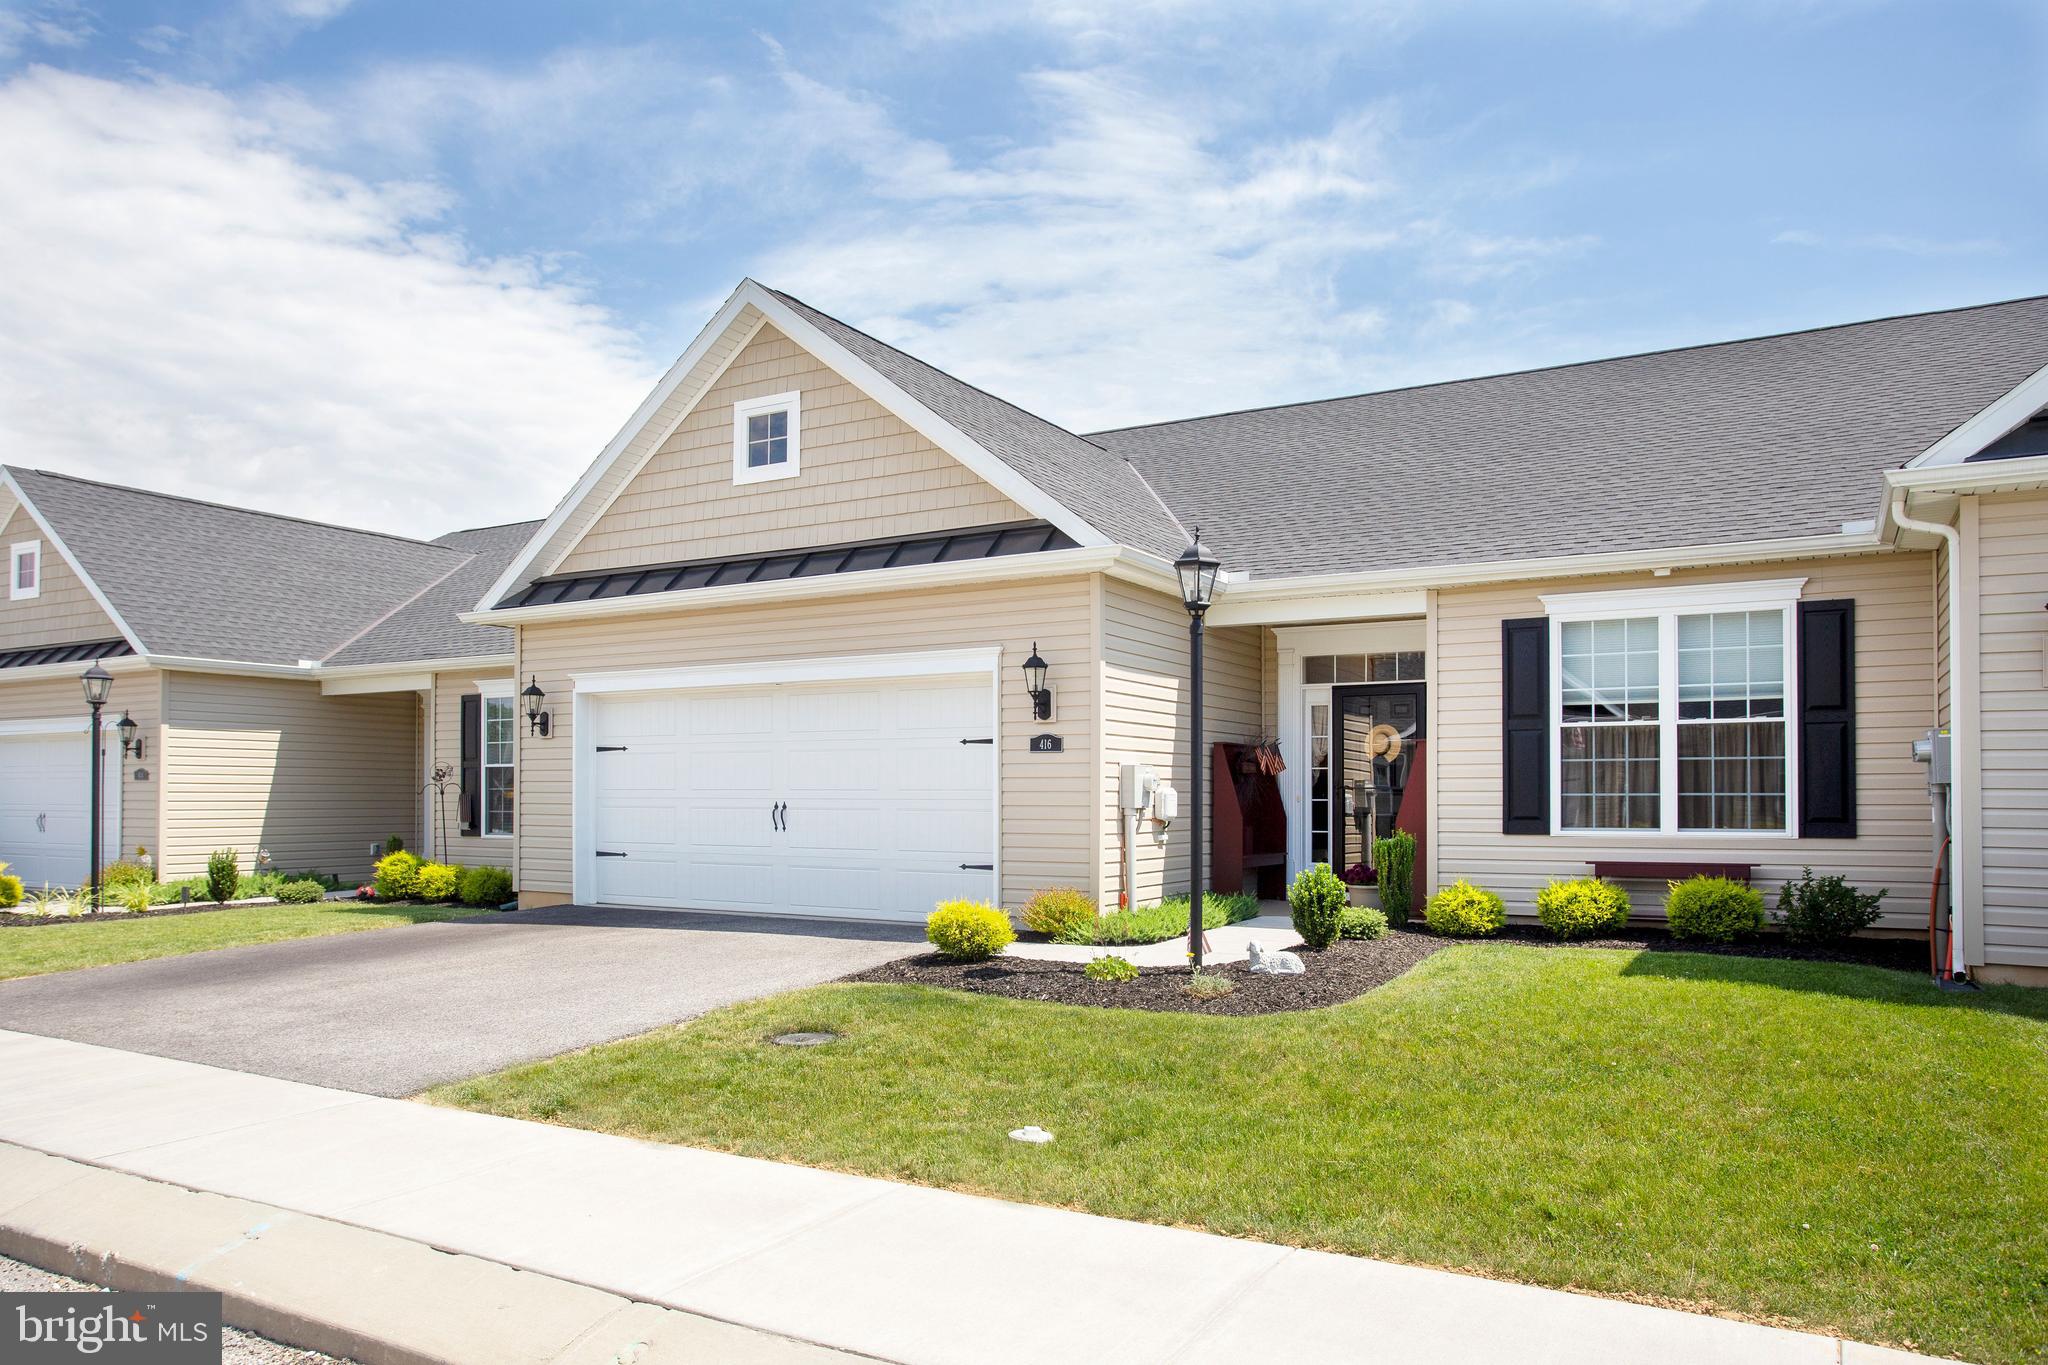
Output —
(1525, 726)
(472, 762)
(1827, 719)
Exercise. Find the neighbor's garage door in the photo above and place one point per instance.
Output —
(870, 799)
(43, 824)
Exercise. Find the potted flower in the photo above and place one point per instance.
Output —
(1362, 882)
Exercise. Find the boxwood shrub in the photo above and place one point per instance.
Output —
(484, 885)
(1714, 909)
(1462, 910)
(968, 931)
(1361, 921)
(397, 876)
(1318, 899)
(1582, 907)
(302, 892)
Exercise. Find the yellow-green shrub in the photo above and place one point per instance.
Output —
(436, 881)
(1462, 910)
(397, 876)
(1062, 914)
(968, 931)
(1714, 909)
(484, 885)
(1582, 907)
(10, 890)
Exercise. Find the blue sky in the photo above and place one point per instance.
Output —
(410, 265)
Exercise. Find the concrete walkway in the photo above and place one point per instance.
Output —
(1231, 943)
(896, 1271)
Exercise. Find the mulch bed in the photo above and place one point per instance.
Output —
(1343, 971)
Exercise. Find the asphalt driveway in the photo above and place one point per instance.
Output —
(393, 1011)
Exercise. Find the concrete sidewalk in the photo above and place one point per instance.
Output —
(896, 1271)
(1231, 943)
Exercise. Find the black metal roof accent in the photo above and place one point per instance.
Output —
(64, 654)
(951, 547)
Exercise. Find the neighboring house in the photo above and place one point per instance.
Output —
(1673, 609)
(221, 628)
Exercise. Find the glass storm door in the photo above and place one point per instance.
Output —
(1374, 752)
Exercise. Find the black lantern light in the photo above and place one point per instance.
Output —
(1034, 683)
(131, 739)
(1198, 570)
(97, 683)
(537, 722)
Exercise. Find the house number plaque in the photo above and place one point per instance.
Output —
(1048, 744)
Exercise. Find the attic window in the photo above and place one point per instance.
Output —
(766, 438)
(24, 570)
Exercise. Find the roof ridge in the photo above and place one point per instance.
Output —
(392, 611)
(790, 298)
(229, 507)
(1565, 365)
(494, 526)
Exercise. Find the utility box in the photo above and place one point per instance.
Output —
(1932, 749)
(1135, 784)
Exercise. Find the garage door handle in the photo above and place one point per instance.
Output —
(611, 748)
(607, 853)
(977, 867)
(977, 741)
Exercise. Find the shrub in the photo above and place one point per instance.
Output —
(394, 845)
(1168, 919)
(302, 892)
(1061, 913)
(1714, 909)
(396, 876)
(126, 872)
(1208, 986)
(436, 881)
(969, 931)
(1110, 968)
(1394, 856)
(1317, 899)
(1582, 907)
(484, 886)
(1361, 921)
(1462, 910)
(1824, 909)
(223, 876)
(10, 890)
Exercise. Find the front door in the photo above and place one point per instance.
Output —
(1375, 744)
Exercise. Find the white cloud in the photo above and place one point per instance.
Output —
(1903, 243)
(211, 315)
(54, 24)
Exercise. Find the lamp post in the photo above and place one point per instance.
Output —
(97, 683)
(1197, 569)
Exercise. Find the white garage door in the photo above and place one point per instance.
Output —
(871, 799)
(43, 825)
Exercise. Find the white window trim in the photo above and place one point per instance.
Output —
(753, 407)
(20, 550)
(495, 689)
(1667, 605)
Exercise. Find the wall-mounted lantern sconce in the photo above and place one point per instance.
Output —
(537, 722)
(131, 737)
(1034, 683)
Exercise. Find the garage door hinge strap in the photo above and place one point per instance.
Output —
(977, 741)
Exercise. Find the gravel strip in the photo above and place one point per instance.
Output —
(1343, 971)
(237, 1347)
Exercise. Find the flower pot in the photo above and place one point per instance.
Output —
(1365, 895)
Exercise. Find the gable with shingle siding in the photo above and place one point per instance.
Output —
(63, 612)
(865, 475)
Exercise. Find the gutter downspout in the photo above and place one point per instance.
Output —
(1960, 732)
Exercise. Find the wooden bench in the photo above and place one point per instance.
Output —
(1613, 870)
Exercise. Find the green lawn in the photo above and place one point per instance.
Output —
(29, 950)
(1836, 1146)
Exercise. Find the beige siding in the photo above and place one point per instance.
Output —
(1895, 688)
(1046, 821)
(865, 475)
(446, 720)
(63, 612)
(270, 763)
(1941, 645)
(1145, 720)
(2013, 639)
(137, 693)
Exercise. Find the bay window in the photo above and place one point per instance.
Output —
(1669, 709)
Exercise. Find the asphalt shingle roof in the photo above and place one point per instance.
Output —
(1746, 440)
(426, 628)
(1087, 480)
(198, 580)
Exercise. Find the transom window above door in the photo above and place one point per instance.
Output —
(1390, 666)
(767, 438)
(1670, 707)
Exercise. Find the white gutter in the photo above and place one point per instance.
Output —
(1987, 476)
(1962, 727)
(478, 662)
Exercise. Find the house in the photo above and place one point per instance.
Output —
(1685, 608)
(283, 677)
